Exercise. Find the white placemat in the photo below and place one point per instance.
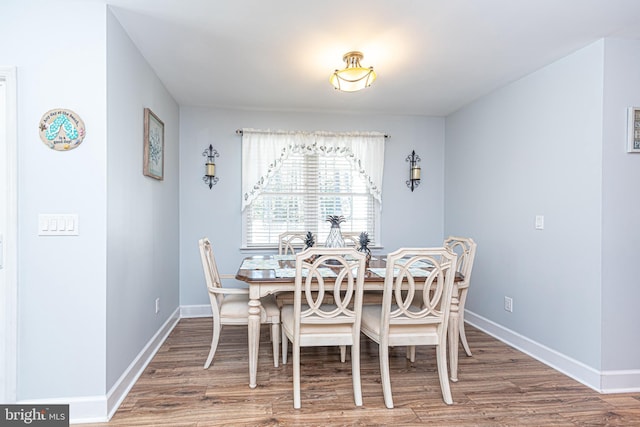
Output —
(260, 264)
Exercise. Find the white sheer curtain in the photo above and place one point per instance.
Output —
(263, 152)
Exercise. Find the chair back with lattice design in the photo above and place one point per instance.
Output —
(338, 272)
(291, 242)
(418, 287)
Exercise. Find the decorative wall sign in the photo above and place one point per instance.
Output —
(61, 129)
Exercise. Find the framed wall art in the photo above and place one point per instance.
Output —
(633, 130)
(153, 145)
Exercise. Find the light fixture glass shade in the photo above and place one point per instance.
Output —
(354, 77)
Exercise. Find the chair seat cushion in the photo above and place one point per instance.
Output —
(371, 320)
(315, 334)
(237, 306)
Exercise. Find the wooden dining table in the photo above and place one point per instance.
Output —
(271, 274)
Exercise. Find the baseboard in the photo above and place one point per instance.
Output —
(121, 388)
(88, 409)
(191, 311)
(600, 381)
(99, 409)
(621, 381)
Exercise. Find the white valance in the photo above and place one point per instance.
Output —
(263, 152)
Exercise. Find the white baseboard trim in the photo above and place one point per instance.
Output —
(621, 381)
(121, 388)
(86, 409)
(600, 381)
(191, 311)
(100, 409)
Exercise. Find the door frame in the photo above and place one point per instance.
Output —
(9, 232)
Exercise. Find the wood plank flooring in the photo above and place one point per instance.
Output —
(498, 386)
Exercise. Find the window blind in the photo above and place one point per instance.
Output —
(306, 189)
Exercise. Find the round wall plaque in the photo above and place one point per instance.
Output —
(61, 129)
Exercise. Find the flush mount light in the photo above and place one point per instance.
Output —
(354, 77)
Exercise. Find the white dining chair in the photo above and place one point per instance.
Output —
(291, 242)
(310, 322)
(465, 248)
(230, 306)
(415, 309)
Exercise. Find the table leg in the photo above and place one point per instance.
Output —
(254, 340)
(454, 320)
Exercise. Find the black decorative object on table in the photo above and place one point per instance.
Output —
(364, 245)
(309, 240)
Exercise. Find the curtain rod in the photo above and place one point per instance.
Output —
(240, 132)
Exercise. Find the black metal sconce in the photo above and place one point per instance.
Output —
(414, 170)
(210, 166)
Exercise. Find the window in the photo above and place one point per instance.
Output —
(307, 182)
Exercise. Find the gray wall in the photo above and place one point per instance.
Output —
(533, 148)
(86, 303)
(553, 144)
(407, 218)
(142, 213)
(620, 211)
(62, 280)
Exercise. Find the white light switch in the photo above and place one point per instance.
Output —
(539, 222)
(58, 224)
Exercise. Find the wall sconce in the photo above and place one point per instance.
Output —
(414, 170)
(210, 166)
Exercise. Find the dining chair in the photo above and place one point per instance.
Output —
(465, 248)
(399, 321)
(351, 238)
(310, 322)
(291, 242)
(230, 306)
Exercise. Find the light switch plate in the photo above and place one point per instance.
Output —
(58, 225)
(539, 222)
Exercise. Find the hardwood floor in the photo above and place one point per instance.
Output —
(498, 386)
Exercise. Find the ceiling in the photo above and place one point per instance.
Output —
(431, 56)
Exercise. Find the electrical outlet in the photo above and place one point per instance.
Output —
(157, 305)
(508, 304)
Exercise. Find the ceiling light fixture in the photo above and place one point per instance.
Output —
(354, 77)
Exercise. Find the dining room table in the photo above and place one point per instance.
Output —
(272, 274)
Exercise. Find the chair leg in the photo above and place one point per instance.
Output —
(214, 344)
(383, 350)
(355, 372)
(275, 338)
(441, 357)
(285, 341)
(463, 338)
(343, 353)
(411, 353)
(296, 376)
(463, 335)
